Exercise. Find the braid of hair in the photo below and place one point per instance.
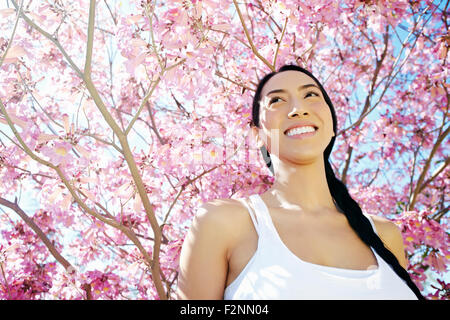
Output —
(363, 228)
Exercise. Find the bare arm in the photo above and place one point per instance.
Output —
(203, 258)
(395, 243)
(391, 236)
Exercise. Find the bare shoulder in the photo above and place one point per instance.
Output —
(384, 226)
(221, 210)
(381, 223)
(207, 243)
(391, 235)
(228, 215)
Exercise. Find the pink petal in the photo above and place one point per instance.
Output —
(83, 151)
(43, 137)
(15, 52)
(6, 12)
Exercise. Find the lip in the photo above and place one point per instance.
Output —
(302, 124)
(303, 135)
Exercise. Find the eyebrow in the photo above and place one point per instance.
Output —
(303, 87)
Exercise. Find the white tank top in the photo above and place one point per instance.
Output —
(275, 273)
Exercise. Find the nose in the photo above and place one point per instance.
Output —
(297, 109)
(295, 113)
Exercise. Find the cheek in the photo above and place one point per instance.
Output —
(327, 118)
(270, 119)
(271, 123)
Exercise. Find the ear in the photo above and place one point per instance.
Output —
(256, 137)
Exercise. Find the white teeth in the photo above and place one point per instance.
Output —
(300, 130)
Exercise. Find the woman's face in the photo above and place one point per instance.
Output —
(289, 98)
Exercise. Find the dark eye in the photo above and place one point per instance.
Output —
(309, 92)
(274, 99)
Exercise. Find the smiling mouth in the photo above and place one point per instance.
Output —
(315, 129)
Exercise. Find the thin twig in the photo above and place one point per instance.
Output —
(279, 42)
(254, 50)
(13, 33)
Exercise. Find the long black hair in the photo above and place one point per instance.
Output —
(344, 202)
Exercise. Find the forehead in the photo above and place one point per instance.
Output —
(287, 80)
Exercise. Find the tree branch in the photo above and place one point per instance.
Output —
(435, 174)
(90, 40)
(13, 33)
(255, 51)
(52, 39)
(279, 42)
(199, 176)
(391, 76)
(29, 221)
(426, 167)
(128, 232)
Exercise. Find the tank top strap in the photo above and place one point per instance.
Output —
(265, 221)
(253, 213)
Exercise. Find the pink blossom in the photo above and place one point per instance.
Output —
(58, 153)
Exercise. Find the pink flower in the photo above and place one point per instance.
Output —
(59, 153)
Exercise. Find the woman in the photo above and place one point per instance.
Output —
(305, 237)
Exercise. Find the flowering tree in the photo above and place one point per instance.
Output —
(118, 119)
